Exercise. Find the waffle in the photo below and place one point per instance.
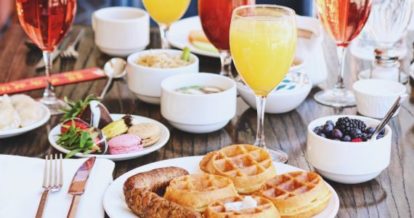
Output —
(198, 190)
(248, 166)
(297, 194)
(264, 209)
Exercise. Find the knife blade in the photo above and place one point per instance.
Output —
(77, 187)
(72, 38)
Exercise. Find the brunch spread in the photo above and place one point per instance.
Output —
(237, 181)
(347, 130)
(87, 127)
(197, 90)
(19, 111)
(164, 60)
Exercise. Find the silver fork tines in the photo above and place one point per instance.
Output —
(52, 179)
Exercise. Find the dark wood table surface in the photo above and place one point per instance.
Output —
(389, 195)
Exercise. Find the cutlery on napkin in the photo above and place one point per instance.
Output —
(22, 177)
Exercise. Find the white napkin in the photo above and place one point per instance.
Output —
(21, 188)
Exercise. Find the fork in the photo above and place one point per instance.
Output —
(52, 180)
(71, 52)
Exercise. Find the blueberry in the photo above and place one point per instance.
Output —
(364, 137)
(321, 134)
(356, 133)
(346, 138)
(327, 128)
(317, 129)
(370, 130)
(382, 132)
(337, 134)
(330, 122)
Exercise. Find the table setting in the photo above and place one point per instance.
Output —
(246, 110)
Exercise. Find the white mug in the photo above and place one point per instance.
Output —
(121, 31)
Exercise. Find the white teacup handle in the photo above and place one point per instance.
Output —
(93, 22)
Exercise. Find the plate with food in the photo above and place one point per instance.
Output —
(20, 114)
(235, 180)
(88, 129)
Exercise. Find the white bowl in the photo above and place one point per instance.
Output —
(348, 162)
(374, 97)
(145, 82)
(292, 91)
(198, 113)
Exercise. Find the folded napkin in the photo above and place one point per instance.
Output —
(21, 188)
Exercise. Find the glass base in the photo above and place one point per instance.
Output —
(278, 155)
(336, 98)
(54, 105)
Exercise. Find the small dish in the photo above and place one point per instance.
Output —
(165, 135)
(348, 162)
(199, 113)
(145, 82)
(15, 132)
(287, 96)
(374, 97)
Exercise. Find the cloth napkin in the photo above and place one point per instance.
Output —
(21, 188)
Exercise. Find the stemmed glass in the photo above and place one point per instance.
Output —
(166, 12)
(263, 43)
(343, 20)
(215, 16)
(388, 16)
(46, 23)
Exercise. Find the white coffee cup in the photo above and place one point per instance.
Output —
(121, 31)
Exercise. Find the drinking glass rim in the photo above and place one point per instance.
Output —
(290, 11)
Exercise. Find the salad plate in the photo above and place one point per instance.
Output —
(164, 137)
(114, 201)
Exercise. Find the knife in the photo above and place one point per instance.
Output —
(71, 39)
(77, 187)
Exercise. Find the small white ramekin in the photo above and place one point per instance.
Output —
(348, 162)
(198, 113)
(374, 97)
(145, 82)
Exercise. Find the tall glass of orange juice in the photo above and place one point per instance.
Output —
(263, 43)
(166, 12)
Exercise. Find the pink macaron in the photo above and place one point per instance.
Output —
(124, 144)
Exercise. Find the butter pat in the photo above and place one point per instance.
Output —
(247, 203)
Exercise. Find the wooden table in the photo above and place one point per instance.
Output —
(389, 195)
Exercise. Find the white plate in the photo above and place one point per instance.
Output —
(14, 132)
(115, 206)
(165, 135)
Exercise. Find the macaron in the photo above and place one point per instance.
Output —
(150, 133)
(126, 143)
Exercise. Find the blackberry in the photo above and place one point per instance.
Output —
(359, 124)
(345, 125)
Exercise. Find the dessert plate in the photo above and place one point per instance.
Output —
(115, 206)
(165, 135)
(14, 132)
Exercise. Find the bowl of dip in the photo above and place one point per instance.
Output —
(198, 103)
(147, 69)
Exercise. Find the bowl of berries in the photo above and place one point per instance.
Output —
(341, 148)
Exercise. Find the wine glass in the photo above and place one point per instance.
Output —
(215, 16)
(166, 12)
(46, 23)
(343, 20)
(263, 43)
(388, 16)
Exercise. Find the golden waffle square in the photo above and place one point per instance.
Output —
(297, 194)
(264, 209)
(198, 190)
(248, 166)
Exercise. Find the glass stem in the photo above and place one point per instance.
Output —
(260, 105)
(163, 33)
(341, 51)
(49, 93)
(225, 60)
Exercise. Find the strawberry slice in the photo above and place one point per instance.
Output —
(78, 123)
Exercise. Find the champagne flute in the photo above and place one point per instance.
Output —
(46, 23)
(263, 43)
(215, 16)
(166, 12)
(343, 20)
